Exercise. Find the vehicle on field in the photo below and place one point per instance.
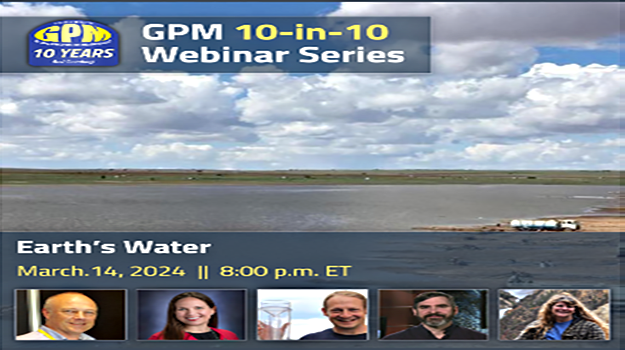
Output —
(545, 225)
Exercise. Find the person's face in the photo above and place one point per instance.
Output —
(193, 312)
(435, 312)
(563, 311)
(71, 315)
(345, 313)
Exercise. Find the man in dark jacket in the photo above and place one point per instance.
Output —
(436, 311)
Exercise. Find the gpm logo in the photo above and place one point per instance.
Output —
(73, 43)
(69, 32)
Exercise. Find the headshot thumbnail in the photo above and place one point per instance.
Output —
(312, 314)
(433, 314)
(206, 314)
(70, 314)
(554, 314)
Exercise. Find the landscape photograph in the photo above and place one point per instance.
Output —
(515, 124)
(498, 170)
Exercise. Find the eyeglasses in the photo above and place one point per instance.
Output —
(74, 312)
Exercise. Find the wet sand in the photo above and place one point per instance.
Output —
(495, 260)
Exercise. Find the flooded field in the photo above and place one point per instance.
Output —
(74, 208)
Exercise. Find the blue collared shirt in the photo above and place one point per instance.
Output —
(555, 333)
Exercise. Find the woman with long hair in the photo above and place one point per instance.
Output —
(563, 317)
(192, 316)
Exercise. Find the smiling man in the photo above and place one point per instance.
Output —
(68, 316)
(435, 311)
(347, 311)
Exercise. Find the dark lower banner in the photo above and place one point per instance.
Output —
(322, 290)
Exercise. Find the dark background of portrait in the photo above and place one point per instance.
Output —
(396, 309)
(109, 325)
(152, 309)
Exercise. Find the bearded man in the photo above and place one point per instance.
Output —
(435, 311)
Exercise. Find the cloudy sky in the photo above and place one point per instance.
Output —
(514, 86)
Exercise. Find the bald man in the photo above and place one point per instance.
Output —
(68, 316)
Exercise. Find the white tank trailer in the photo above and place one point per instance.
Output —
(545, 225)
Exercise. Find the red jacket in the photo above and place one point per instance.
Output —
(223, 335)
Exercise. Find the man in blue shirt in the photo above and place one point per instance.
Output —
(347, 311)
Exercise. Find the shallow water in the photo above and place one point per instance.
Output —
(285, 208)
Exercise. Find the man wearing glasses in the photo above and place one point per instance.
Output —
(68, 316)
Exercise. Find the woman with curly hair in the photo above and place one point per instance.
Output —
(192, 316)
(563, 317)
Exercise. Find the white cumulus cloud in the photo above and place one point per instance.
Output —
(488, 104)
